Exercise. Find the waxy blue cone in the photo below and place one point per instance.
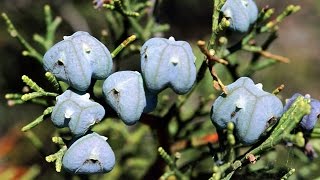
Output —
(168, 63)
(248, 107)
(76, 111)
(241, 13)
(124, 92)
(253, 11)
(77, 59)
(89, 154)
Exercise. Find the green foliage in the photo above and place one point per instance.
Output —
(177, 140)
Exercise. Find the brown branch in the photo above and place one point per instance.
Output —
(201, 44)
(278, 89)
(210, 61)
(273, 36)
(274, 56)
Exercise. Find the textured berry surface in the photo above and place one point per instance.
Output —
(77, 59)
(308, 121)
(76, 111)
(124, 92)
(89, 154)
(168, 63)
(241, 13)
(248, 107)
(252, 10)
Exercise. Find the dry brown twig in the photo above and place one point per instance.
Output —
(211, 60)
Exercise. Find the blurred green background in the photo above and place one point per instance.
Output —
(299, 40)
